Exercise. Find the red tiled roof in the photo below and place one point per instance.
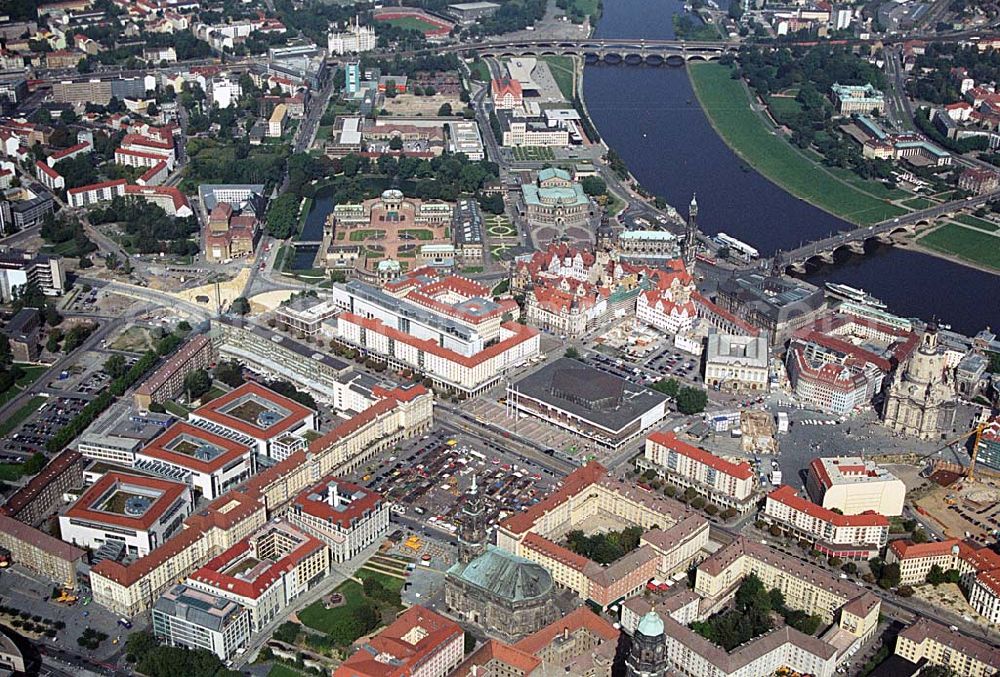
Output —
(165, 191)
(556, 551)
(159, 448)
(438, 632)
(494, 650)
(904, 549)
(572, 485)
(97, 186)
(140, 140)
(786, 494)
(669, 440)
(579, 619)
(367, 502)
(138, 153)
(37, 484)
(502, 86)
(84, 508)
(51, 173)
(66, 152)
(212, 573)
(39, 539)
(520, 332)
(212, 411)
(153, 171)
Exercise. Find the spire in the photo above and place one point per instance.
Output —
(474, 490)
(694, 203)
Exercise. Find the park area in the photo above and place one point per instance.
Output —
(964, 242)
(726, 103)
(355, 609)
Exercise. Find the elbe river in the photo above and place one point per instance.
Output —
(651, 116)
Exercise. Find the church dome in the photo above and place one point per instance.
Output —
(651, 625)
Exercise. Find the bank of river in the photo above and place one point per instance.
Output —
(651, 117)
(727, 105)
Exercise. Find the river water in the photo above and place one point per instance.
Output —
(651, 117)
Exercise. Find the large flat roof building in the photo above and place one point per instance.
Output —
(195, 619)
(604, 408)
(736, 363)
(136, 512)
(274, 422)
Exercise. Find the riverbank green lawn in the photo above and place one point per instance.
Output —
(726, 104)
(562, 71)
(972, 245)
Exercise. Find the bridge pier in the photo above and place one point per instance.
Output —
(825, 257)
(856, 247)
(799, 268)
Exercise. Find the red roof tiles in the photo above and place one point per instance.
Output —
(669, 440)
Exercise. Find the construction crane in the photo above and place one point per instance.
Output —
(977, 431)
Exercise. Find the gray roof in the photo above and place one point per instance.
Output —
(404, 308)
(505, 575)
(467, 223)
(601, 398)
(197, 607)
(774, 297)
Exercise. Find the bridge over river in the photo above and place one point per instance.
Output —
(884, 231)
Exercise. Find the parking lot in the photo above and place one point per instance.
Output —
(32, 435)
(426, 480)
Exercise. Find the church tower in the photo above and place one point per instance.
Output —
(691, 234)
(472, 533)
(647, 657)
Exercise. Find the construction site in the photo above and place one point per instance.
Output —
(960, 499)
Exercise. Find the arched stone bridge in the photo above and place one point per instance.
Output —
(823, 250)
(653, 52)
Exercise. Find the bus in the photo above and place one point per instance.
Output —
(739, 249)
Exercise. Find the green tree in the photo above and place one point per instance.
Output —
(197, 383)
(691, 400)
(229, 372)
(115, 366)
(572, 353)
(240, 306)
(445, 110)
(668, 387)
(594, 186)
(287, 632)
(6, 356)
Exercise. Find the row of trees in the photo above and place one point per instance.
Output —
(155, 660)
(99, 404)
(690, 399)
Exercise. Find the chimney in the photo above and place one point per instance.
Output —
(565, 632)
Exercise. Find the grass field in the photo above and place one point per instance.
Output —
(317, 617)
(418, 233)
(978, 223)
(480, 71)
(533, 153)
(725, 102)
(361, 235)
(410, 23)
(176, 409)
(965, 243)
(561, 68)
(784, 106)
(30, 375)
(918, 203)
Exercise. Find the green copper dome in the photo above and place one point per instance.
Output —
(651, 625)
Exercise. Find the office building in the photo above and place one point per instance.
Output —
(275, 424)
(239, 196)
(167, 382)
(849, 537)
(352, 77)
(724, 483)
(23, 335)
(210, 463)
(136, 512)
(464, 137)
(988, 453)
(18, 268)
(13, 90)
(738, 364)
(265, 572)
(853, 486)
(24, 207)
(304, 316)
(445, 327)
(194, 619)
(345, 516)
(418, 642)
(775, 305)
(517, 130)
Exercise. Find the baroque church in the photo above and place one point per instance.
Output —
(506, 594)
